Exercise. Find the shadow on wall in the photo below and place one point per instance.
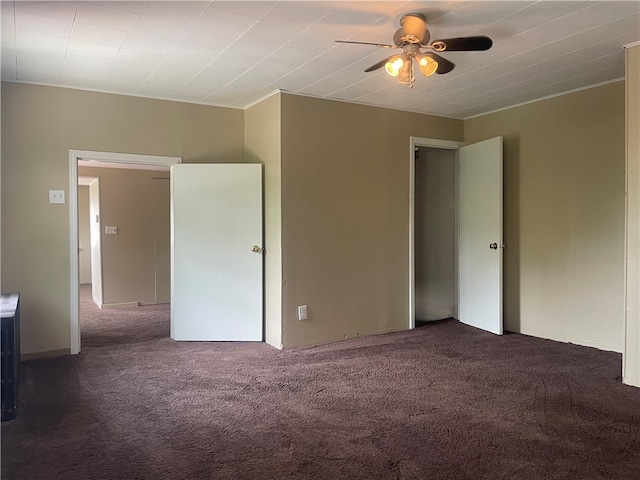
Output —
(511, 222)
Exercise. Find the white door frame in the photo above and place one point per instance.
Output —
(415, 142)
(108, 157)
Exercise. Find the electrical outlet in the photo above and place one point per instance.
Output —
(302, 312)
(56, 196)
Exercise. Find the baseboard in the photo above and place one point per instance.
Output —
(119, 305)
(48, 354)
(431, 314)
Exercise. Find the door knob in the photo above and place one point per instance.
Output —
(255, 249)
(493, 246)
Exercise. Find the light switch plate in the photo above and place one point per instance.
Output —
(56, 196)
(110, 230)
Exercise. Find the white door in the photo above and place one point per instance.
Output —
(96, 241)
(216, 276)
(480, 235)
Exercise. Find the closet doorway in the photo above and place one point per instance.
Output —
(435, 234)
(456, 232)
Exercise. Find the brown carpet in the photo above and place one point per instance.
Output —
(101, 328)
(444, 401)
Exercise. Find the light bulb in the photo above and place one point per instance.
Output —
(394, 65)
(406, 74)
(428, 65)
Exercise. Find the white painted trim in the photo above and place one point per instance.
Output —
(630, 368)
(569, 92)
(74, 274)
(125, 158)
(107, 306)
(631, 45)
(112, 157)
(415, 142)
(262, 99)
(87, 181)
(123, 166)
(436, 143)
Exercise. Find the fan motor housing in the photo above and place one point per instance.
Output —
(400, 38)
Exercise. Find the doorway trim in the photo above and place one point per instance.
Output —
(415, 142)
(97, 156)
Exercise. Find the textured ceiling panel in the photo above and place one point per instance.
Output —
(234, 53)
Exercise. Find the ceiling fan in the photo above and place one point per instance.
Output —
(412, 36)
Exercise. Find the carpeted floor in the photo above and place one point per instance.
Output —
(444, 401)
(110, 327)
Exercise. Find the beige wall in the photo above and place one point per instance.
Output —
(39, 126)
(564, 214)
(435, 234)
(131, 200)
(345, 216)
(341, 174)
(263, 145)
(631, 367)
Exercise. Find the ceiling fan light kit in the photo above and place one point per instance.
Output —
(427, 65)
(401, 66)
(412, 36)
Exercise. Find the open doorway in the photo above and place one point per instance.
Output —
(435, 234)
(124, 254)
(117, 275)
(478, 238)
(433, 253)
(89, 238)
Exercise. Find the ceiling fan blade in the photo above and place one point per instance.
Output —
(383, 45)
(415, 25)
(462, 44)
(444, 65)
(379, 64)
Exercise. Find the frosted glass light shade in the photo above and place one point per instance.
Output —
(406, 74)
(428, 66)
(394, 66)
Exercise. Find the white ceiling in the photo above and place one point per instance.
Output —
(235, 53)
